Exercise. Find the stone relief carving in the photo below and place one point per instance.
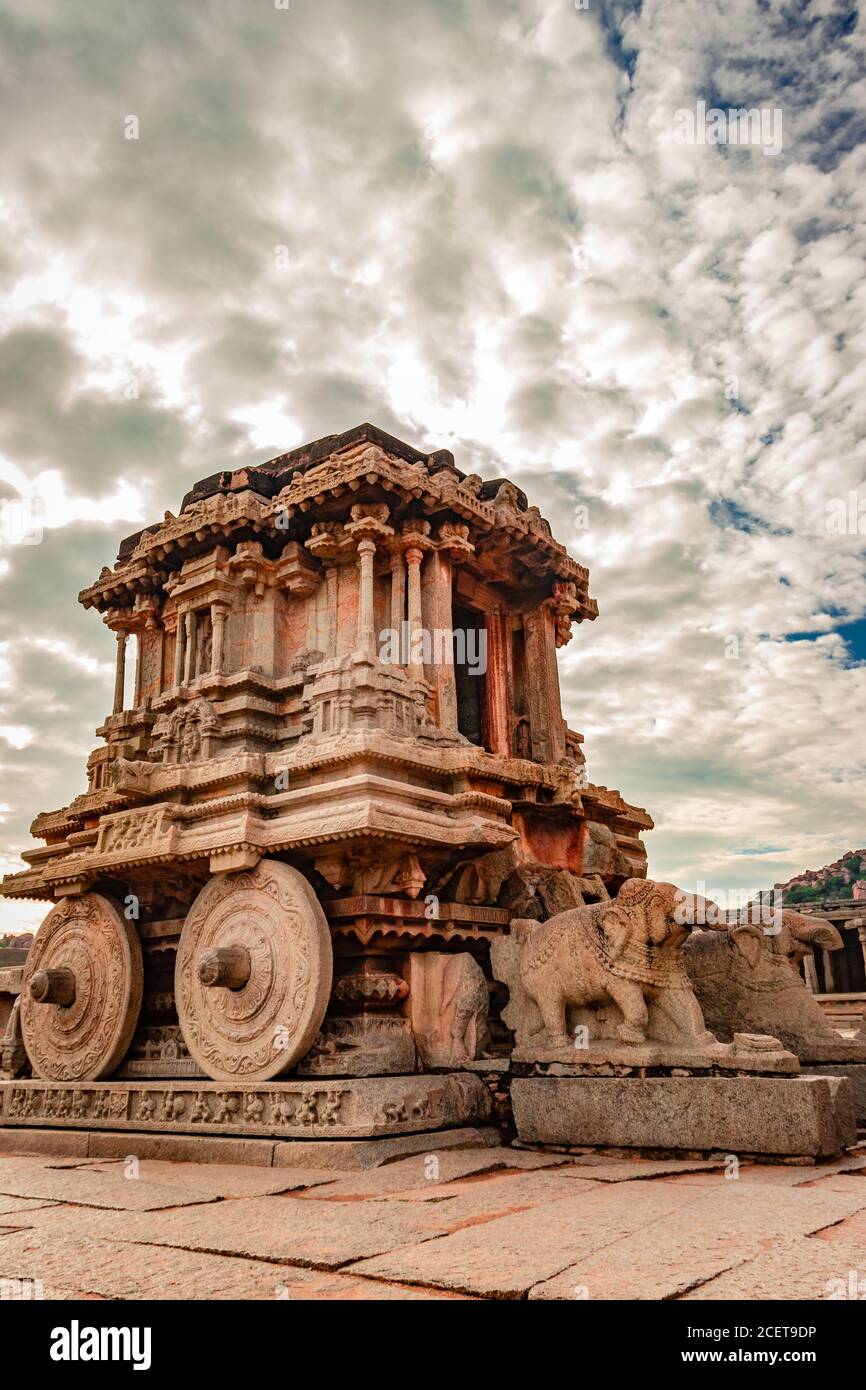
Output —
(185, 734)
(448, 1007)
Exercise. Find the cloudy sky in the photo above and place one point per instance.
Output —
(229, 226)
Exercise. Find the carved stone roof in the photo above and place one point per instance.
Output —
(280, 500)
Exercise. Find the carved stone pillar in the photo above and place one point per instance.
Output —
(498, 713)
(160, 657)
(179, 653)
(139, 664)
(219, 613)
(453, 545)
(366, 643)
(414, 556)
(829, 977)
(438, 589)
(120, 671)
(189, 656)
(332, 579)
(810, 974)
(547, 726)
(398, 601)
(367, 526)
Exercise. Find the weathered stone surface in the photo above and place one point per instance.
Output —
(506, 1233)
(10, 1206)
(748, 1114)
(490, 1196)
(207, 1180)
(509, 1256)
(752, 1053)
(178, 1148)
(75, 1266)
(431, 1171)
(108, 1269)
(48, 1141)
(198, 1148)
(625, 1170)
(365, 1044)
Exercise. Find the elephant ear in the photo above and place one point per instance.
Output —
(747, 940)
(617, 929)
(522, 928)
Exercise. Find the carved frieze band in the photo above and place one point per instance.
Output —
(339, 1109)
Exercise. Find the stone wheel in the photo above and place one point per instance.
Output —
(81, 991)
(253, 973)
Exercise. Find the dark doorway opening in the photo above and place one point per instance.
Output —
(470, 664)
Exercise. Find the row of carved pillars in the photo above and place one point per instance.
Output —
(186, 627)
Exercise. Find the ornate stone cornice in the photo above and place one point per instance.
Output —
(522, 534)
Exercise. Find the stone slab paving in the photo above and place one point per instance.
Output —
(796, 1267)
(12, 1205)
(85, 1268)
(479, 1223)
(91, 1188)
(427, 1171)
(492, 1195)
(782, 1174)
(633, 1170)
(223, 1179)
(280, 1229)
(508, 1257)
(720, 1231)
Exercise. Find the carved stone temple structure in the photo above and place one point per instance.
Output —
(337, 776)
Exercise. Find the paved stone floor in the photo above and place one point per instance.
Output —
(474, 1223)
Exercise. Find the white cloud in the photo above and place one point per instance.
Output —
(494, 244)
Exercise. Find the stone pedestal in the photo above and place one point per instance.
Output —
(806, 1116)
(855, 1072)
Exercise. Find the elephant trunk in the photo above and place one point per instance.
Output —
(820, 933)
(695, 911)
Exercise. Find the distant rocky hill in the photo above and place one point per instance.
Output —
(844, 878)
(17, 939)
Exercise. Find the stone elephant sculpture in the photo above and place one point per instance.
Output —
(747, 979)
(624, 951)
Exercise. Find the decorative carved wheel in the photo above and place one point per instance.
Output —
(253, 973)
(81, 992)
